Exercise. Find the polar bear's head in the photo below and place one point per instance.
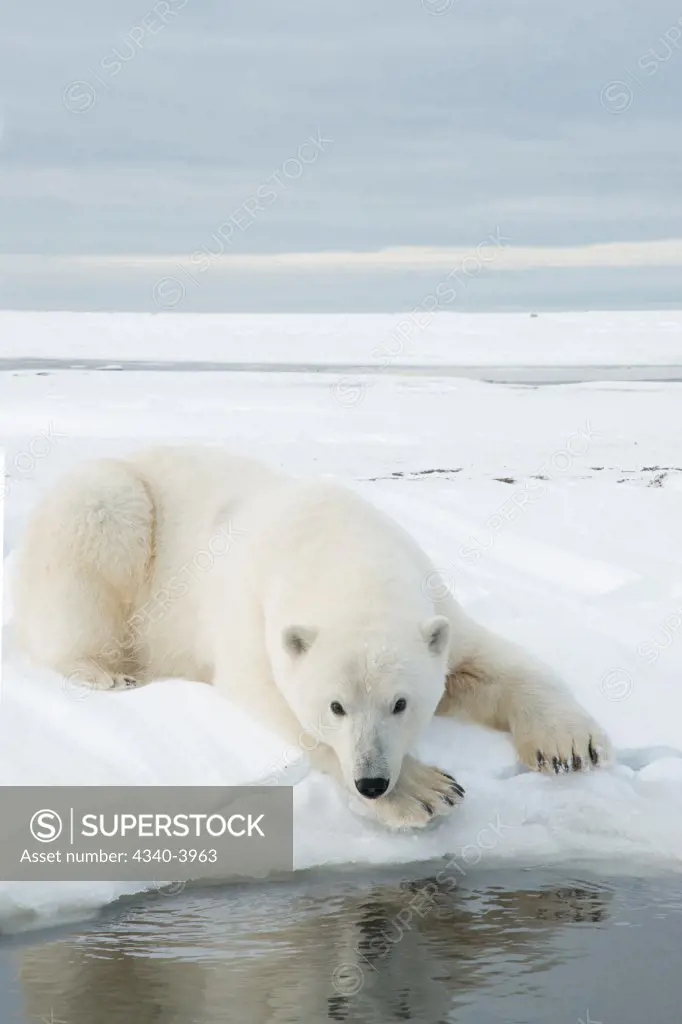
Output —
(367, 694)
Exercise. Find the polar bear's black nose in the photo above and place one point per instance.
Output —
(371, 788)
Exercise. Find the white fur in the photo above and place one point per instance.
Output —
(288, 596)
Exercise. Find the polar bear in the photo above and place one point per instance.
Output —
(298, 599)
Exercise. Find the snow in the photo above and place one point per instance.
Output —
(372, 340)
(582, 567)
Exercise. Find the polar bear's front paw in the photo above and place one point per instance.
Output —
(421, 794)
(570, 742)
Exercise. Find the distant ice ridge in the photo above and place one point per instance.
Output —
(368, 339)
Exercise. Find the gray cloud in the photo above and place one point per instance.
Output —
(559, 123)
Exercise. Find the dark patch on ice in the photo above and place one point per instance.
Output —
(660, 473)
(505, 479)
(415, 474)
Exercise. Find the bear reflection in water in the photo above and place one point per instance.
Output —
(394, 952)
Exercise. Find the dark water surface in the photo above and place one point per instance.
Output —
(529, 375)
(513, 947)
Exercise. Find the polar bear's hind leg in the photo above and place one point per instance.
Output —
(86, 554)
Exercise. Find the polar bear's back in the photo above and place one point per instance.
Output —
(197, 494)
(198, 479)
(329, 554)
(312, 550)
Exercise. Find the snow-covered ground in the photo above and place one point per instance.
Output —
(554, 512)
(377, 340)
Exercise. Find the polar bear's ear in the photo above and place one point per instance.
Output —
(298, 639)
(436, 632)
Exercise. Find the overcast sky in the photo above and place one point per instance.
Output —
(165, 129)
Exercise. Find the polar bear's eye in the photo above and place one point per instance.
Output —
(337, 708)
(399, 706)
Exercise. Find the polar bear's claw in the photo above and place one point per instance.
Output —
(563, 749)
(454, 784)
(459, 790)
(90, 674)
(121, 682)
